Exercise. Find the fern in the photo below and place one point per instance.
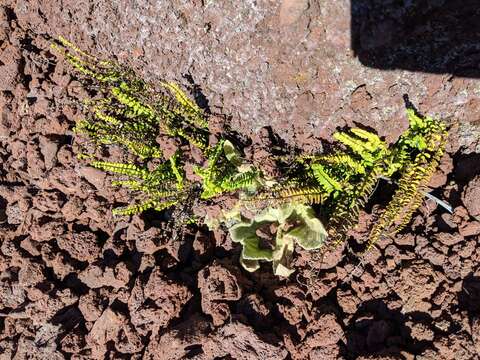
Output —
(133, 104)
(131, 184)
(305, 195)
(196, 139)
(148, 204)
(416, 175)
(121, 169)
(131, 114)
(174, 165)
(351, 177)
(222, 174)
(369, 147)
(300, 194)
(345, 162)
(210, 174)
(163, 186)
(346, 208)
(105, 128)
(188, 108)
(87, 64)
(328, 183)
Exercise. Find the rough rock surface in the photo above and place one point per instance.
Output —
(78, 283)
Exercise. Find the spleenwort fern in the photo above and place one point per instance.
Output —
(131, 114)
(130, 170)
(290, 194)
(222, 172)
(240, 181)
(186, 108)
(147, 204)
(344, 181)
(428, 137)
(326, 181)
(175, 166)
(161, 186)
(346, 208)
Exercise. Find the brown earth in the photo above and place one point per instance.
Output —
(78, 283)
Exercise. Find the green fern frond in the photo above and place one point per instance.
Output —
(187, 108)
(197, 140)
(87, 127)
(239, 181)
(176, 171)
(111, 130)
(328, 183)
(364, 144)
(122, 169)
(162, 194)
(141, 150)
(211, 173)
(135, 105)
(85, 63)
(416, 174)
(308, 195)
(146, 205)
(341, 160)
(159, 206)
(112, 120)
(282, 194)
(69, 45)
(404, 216)
(347, 205)
(83, 156)
(371, 141)
(162, 176)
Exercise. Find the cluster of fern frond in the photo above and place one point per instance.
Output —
(163, 186)
(343, 181)
(129, 113)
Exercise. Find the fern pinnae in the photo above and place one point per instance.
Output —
(196, 140)
(324, 179)
(309, 195)
(345, 212)
(405, 216)
(144, 151)
(345, 160)
(131, 184)
(176, 171)
(107, 118)
(239, 181)
(69, 45)
(136, 106)
(121, 168)
(143, 206)
(408, 197)
(188, 108)
(163, 194)
(89, 127)
(135, 208)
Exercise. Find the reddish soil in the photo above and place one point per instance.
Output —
(78, 283)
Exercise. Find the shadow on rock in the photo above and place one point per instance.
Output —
(466, 166)
(376, 330)
(469, 296)
(435, 36)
